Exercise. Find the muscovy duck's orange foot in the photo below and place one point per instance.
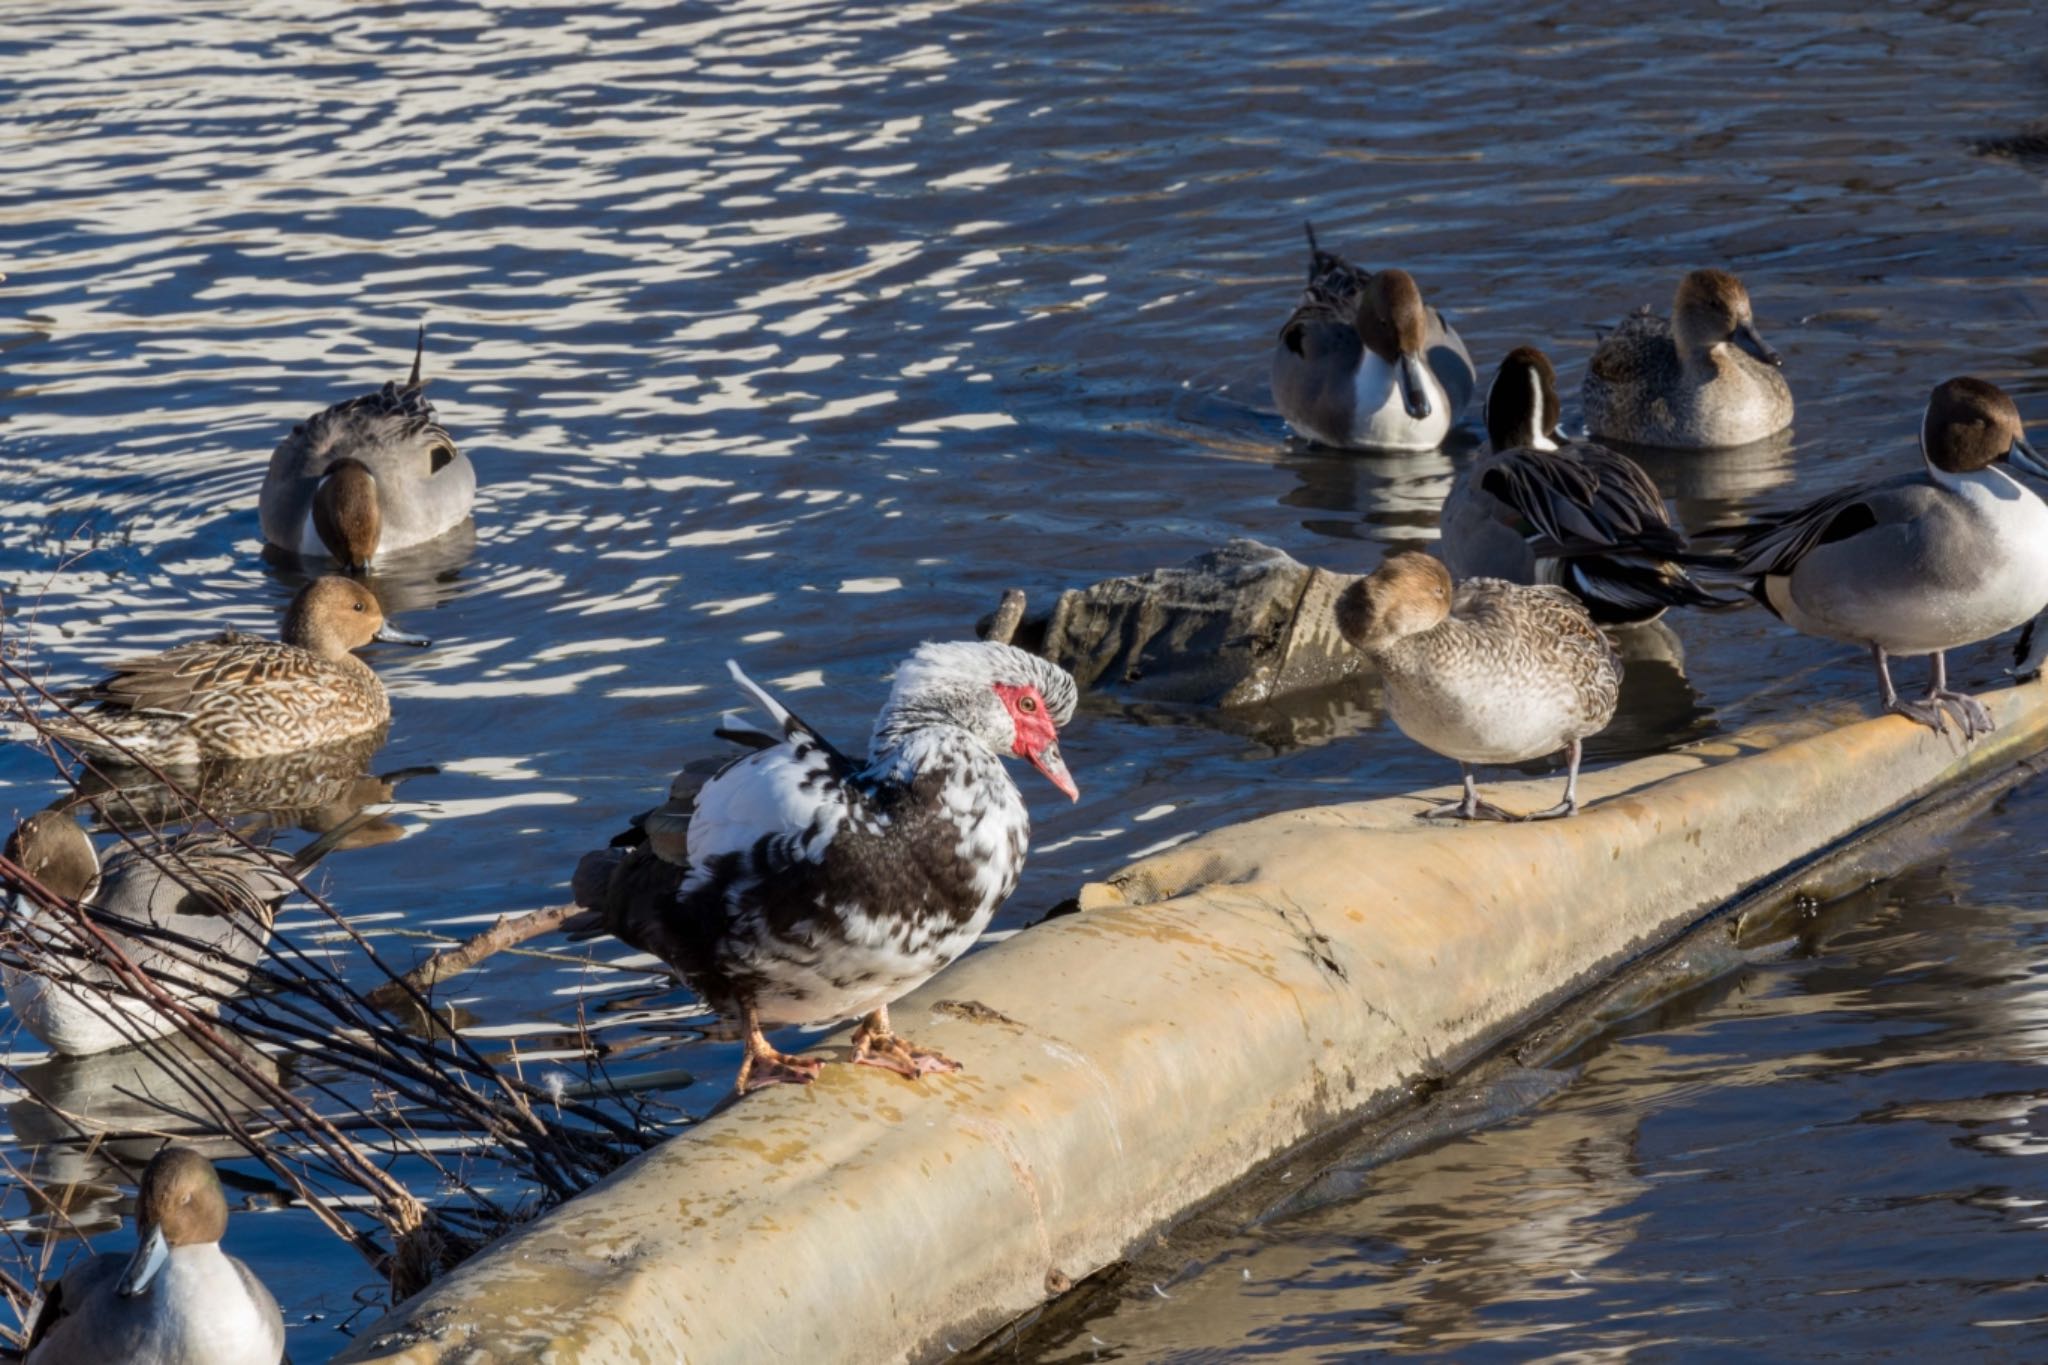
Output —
(905, 1059)
(776, 1068)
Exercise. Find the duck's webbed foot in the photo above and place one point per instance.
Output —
(764, 1065)
(1973, 717)
(875, 1044)
(1568, 806)
(1466, 807)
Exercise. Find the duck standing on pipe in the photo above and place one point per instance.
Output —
(812, 887)
(1492, 672)
(1953, 553)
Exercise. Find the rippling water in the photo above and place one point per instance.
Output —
(796, 332)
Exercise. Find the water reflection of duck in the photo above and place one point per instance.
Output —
(1363, 362)
(241, 696)
(78, 1113)
(366, 478)
(313, 789)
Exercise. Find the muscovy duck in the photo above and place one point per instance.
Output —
(810, 887)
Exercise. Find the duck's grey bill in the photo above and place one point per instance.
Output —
(148, 1259)
(1751, 340)
(1414, 392)
(388, 636)
(2026, 457)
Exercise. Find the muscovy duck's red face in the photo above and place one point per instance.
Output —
(1038, 739)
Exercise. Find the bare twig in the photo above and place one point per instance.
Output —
(508, 932)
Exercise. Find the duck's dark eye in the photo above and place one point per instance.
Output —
(359, 606)
(1027, 704)
(439, 458)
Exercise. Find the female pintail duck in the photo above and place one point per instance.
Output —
(240, 696)
(201, 908)
(177, 1300)
(1542, 508)
(1922, 563)
(1497, 673)
(1364, 362)
(367, 477)
(1704, 378)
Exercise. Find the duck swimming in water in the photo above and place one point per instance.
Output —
(1542, 508)
(367, 477)
(1703, 379)
(178, 1299)
(803, 886)
(1951, 554)
(1364, 362)
(1492, 672)
(241, 696)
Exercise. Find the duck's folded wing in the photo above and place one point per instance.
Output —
(1580, 504)
(776, 806)
(172, 681)
(1638, 350)
(1777, 544)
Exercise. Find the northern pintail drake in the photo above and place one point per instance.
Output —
(1542, 508)
(1491, 672)
(178, 1299)
(241, 696)
(367, 477)
(1704, 378)
(1364, 362)
(814, 887)
(1923, 563)
(193, 914)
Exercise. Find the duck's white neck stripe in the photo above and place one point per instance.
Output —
(1538, 437)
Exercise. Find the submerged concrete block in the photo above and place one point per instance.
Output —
(1208, 1010)
(1233, 627)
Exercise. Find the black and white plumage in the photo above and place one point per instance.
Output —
(813, 886)
(1541, 508)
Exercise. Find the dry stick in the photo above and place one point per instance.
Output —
(516, 1091)
(508, 932)
(1009, 615)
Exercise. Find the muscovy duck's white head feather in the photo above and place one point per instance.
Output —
(954, 683)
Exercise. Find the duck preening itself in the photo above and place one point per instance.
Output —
(1543, 508)
(1948, 555)
(367, 477)
(192, 914)
(1491, 672)
(807, 886)
(1363, 361)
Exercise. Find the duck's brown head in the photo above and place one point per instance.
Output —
(1712, 309)
(1394, 325)
(51, 847)
(333, 616)
(346, 514)
(1972, 424)
(1407, 594)
(180, 1204)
